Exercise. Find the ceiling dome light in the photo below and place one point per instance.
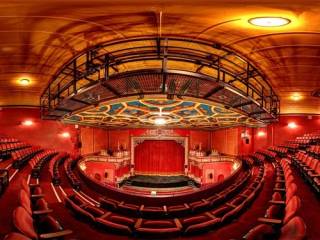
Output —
(24, 81)
(160, 121)
(269, 21)
(65, 134)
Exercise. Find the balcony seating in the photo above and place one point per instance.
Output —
(309, 168)
(68, 166)
(54, 164)
(38, 162)
(158, 228)
(48, 227)
(295, 229)
(21, 157)
(7, 148)
(4, 180)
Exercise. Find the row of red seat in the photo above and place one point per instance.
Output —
(54, 164)
(258, 157)
(314, 150)
(69, 164)
(309, 168)
(281, 151)
(8, 140)
(160, 222)
(38, 161)
(181, 209)
(269, 154)
(7, 148)
(21, 157)
(32, 219)
(282, 212)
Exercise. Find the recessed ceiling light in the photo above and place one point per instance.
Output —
(160, 121)
(269, 21)
(296, 97)
(24, 81)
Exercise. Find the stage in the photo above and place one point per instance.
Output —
(159, 181)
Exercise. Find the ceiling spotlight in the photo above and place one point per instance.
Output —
(27, 123)
(296, 97)
(160, 121)
(24, 81)
(269, 21)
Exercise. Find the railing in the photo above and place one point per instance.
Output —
(166, 65)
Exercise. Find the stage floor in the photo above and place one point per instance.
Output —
(158, 181)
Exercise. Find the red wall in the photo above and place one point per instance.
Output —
(229, 140)
(44, 133)
(93, 139)
(226, 140)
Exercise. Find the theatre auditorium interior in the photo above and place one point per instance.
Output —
(182, 120)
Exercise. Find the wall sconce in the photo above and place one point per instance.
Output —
(27, 123)
(292, 125)
(65, 135)
(261, 133)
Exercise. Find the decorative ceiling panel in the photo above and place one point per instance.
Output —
(178, 113)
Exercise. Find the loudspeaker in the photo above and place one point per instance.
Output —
(247, 140)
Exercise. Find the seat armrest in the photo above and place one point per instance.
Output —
(186, 205)
(178, 223)
(37, 196)
(314, 175)
(141, 207)
(55, 234)
(210, 215)
(270, 220)
(277, 202)
(107, 214)
(34, 185)
(42, 212)
(138, 223)
(243, 195)
(230, 205)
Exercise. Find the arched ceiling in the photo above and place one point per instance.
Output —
(38, 37)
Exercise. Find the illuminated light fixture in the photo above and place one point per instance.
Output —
(269, 21)
(24, 81)
(27, 123)
(296, 97)
(65, 135)
(235, 166)
(261, 133)
(292, 125)
(160, 121)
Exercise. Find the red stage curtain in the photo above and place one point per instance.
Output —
(160, 157)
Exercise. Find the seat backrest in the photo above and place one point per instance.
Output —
(292, 208)
(295, 229)
(291, 191)
(23, 221)
(24, 201)
(24, 185)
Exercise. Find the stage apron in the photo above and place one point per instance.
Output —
(159, 157)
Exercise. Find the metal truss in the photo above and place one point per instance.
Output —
(176, 67)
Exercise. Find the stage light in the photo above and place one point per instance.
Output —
(27, 123)
(292, 125)
(296, 97)
(160, 121)
(65, 135)
(261, 134)
(269, 21)
(24, 81)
